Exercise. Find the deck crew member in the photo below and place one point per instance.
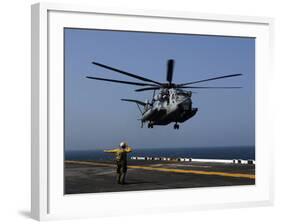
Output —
(121, 160)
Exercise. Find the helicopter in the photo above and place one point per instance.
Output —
(172, 103)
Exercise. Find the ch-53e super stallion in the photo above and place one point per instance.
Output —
(171, 104)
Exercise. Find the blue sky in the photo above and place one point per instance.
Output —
(95, 118)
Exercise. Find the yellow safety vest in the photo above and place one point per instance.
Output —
(120, 154)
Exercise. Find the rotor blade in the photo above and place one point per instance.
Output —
(135, 101)
(206, 80)
(170, 69)
(119, 81)
(208, 87)
(148, 88)
(126, 73)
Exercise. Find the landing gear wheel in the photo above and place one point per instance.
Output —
(150, 125)
(176, 126)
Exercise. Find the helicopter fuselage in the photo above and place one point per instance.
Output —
(170, 105)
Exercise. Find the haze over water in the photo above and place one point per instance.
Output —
(242, 152)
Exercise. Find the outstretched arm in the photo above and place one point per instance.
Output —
(128, 149)
(111, 150)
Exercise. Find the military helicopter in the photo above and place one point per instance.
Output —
(172, 104)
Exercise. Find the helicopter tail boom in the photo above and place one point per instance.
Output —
(135, 101)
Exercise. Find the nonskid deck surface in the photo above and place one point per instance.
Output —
(100, 176)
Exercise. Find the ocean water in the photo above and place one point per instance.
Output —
(228, 152)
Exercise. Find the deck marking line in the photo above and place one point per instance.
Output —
(241, 175)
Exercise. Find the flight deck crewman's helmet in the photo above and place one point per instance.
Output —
(123, 145)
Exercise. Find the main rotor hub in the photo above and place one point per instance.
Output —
(168, 85)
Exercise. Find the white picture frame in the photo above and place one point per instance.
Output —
(48, 201)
